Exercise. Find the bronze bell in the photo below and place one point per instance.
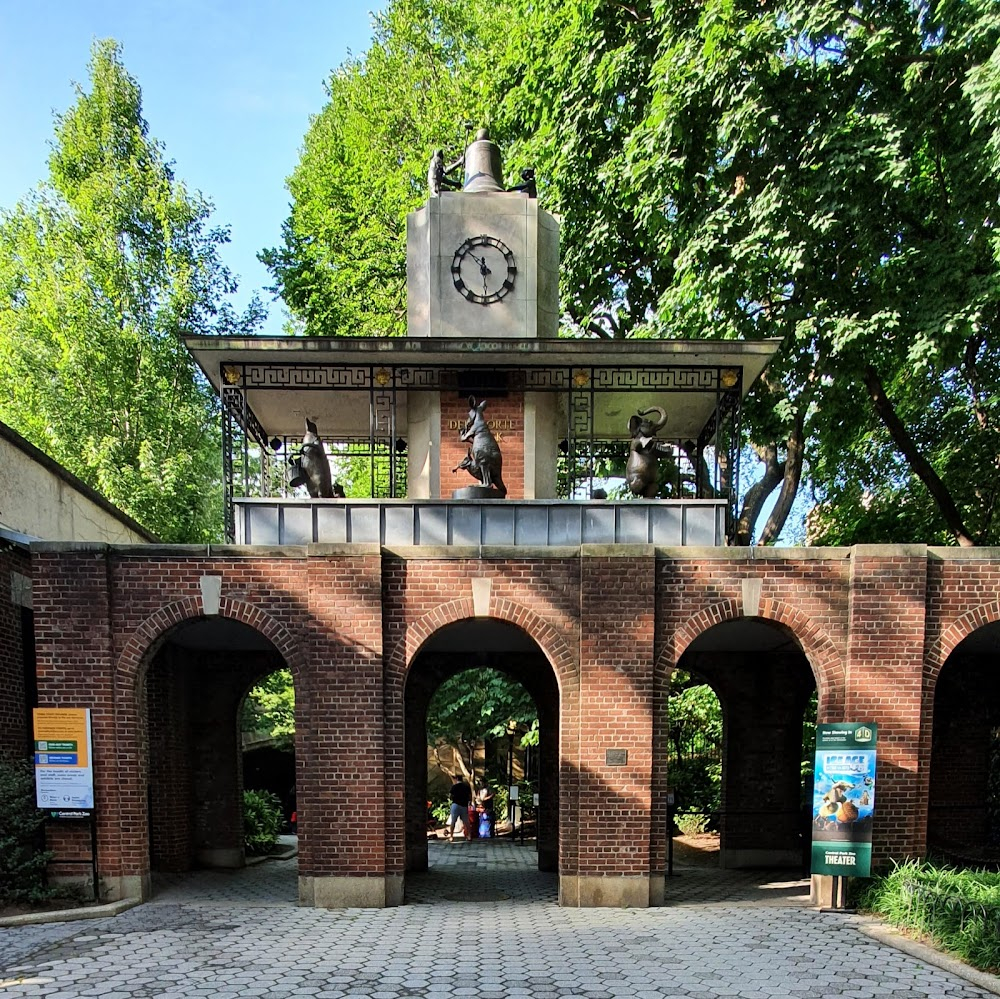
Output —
(483, 167)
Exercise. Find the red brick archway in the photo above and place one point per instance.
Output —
(556, 697)
(826, 663)
(763, 711)
(133, 749)
(544, 635)
(960, 629)
(158, 627)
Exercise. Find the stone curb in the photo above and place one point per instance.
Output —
(891, 938)
(285, 854)
(65, 915)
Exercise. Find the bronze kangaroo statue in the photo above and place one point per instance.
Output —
(484, 460)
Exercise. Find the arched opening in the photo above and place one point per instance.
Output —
(475, 645)
(267, 739)
(195, 689)
(964, 800)
(764, 684)
(694, 765)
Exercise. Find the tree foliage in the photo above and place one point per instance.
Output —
(270, 707)
(475, 705)
(342, 266)
(818, 172)
(102, 269)
(23, 861)
(823, 173)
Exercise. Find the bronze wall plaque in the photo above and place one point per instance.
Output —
(615, 757)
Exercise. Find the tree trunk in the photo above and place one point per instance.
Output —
(790, 476)
(759, 492)
(920, 466)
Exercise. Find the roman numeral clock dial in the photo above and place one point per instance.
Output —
(483, 269)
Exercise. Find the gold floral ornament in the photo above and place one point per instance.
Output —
(581, 378)
(231, 374)
(382, 377)
(729, 377)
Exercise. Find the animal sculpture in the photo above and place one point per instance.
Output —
(311, 467)
(470, 466)
(641, 469)
(484, 460)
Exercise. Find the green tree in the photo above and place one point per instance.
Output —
(270, 707)
(820, 172)
(102, 269)
(824, 173)
(476, 705)
(342, 266)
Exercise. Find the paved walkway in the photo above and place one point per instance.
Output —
(481, 923)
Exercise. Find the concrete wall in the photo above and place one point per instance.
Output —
(38, 497)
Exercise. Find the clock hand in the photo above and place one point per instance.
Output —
(483, 268)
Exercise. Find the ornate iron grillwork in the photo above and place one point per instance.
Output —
(704, 468)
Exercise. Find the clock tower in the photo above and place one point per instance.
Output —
(482, 261)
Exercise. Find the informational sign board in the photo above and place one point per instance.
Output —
(844, 799)
(64, 773)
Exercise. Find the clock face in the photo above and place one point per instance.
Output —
(483, 269)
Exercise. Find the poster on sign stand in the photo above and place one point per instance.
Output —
(64, 773)
(843, 799)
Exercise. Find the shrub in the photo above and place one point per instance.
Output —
(261, 821)
(697, 784)
(692, 823)
(23, 862)
(958, 909)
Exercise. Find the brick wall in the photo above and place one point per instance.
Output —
(874, 627)
(506, 419)
(886, 652)
(14, 648)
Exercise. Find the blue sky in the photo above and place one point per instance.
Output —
(228, 87)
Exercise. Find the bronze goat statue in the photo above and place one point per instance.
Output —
(484, 460)
(311, 467)
(641, 469)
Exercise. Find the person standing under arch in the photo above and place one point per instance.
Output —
(461, 798)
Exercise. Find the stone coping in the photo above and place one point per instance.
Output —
(363, 549)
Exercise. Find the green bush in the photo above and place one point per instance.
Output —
(692, 823)
(261, 821)
(22, 861)
(958, 909)
(697, 784)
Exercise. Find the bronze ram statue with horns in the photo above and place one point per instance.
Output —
(640, 472)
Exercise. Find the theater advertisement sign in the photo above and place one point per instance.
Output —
(843, 799)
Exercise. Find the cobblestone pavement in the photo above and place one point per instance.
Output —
(480, 923)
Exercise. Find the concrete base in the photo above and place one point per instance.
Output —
(475, 493)
(351, 893)
(821, 891)
(609, 891)
(225, 859)
(127, 886)
(734, 859)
